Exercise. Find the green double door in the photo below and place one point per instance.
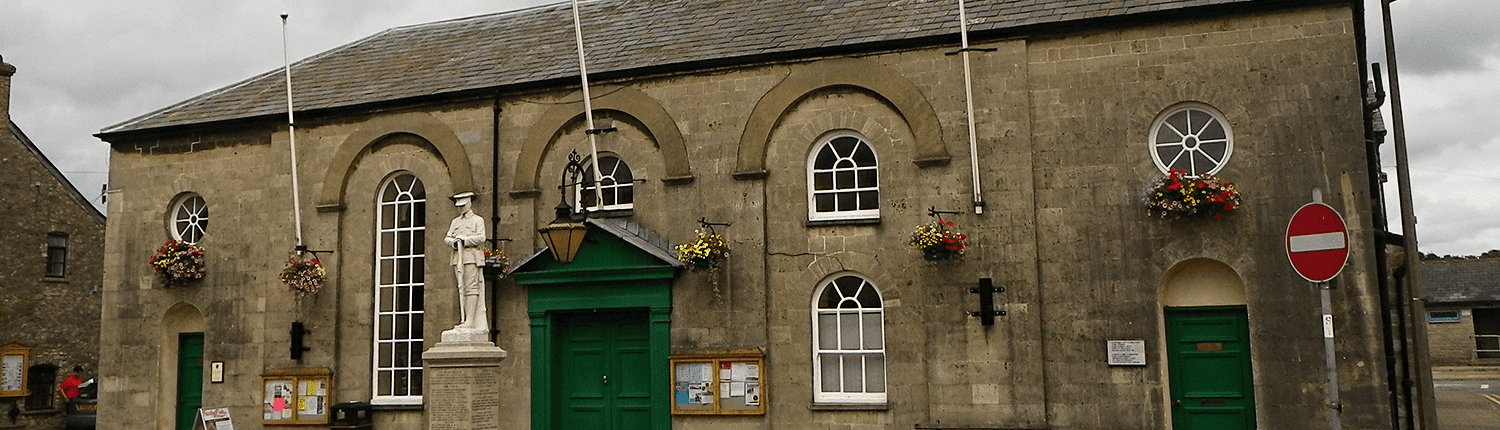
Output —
(189, 378)
(1208, 360)
(603, 368)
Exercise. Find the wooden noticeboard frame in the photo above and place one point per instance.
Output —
(719, 382)
(296, 397)
(14, 363)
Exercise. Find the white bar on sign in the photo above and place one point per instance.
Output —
(1316, 242)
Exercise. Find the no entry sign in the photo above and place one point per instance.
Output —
(1317, 242)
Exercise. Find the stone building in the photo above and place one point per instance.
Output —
(814, 137)
(50, 289)
(1463, 310)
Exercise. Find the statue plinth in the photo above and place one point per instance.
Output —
(462, 382)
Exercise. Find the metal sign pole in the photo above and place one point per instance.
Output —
(1335, 409)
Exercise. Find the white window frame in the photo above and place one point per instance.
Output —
(812, 172)
(820, 394)
(1181, 138)
(188, 221)
(413, 258)
(614, 188)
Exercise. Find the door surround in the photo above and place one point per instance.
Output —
(1200, 284)
(619, 267)
(181, 317)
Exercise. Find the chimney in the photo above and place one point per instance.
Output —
(6, 70)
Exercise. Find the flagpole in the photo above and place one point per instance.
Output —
(291, 128)
(588, 113)
(963, 34)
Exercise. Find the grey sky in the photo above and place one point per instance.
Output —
(84, 65)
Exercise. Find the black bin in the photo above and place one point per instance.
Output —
(352, 415)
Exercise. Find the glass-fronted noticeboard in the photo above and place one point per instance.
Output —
(718, 382)
(13, 366)
(296, 396)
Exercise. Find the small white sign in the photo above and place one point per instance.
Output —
(1328, 326)
(216, 372)
(1126, 352)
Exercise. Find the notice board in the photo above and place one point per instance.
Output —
(296, 396)
(719, 382)
(13, 366)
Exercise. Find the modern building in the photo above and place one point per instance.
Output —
(51, 287)
(1463, 310)
(815, 137)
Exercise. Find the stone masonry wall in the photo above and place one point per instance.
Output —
(57, 317)
(1061, 125)
(1451, 343)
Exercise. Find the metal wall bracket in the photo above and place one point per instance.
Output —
(986, 291)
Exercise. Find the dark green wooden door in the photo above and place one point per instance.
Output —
(1208, 360)
(603, 369)
(189, 378)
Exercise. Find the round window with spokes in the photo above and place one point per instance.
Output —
(189, 219)
(1193, 138)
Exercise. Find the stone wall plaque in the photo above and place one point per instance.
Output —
(1126, 352)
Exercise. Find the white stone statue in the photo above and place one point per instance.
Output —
(465, 235)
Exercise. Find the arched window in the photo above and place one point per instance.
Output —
(401, 227)
(848, 332)
(1193, 138)
(843, 181)
(616, 185)
(189, 219)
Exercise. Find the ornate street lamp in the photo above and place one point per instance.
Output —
(565, 234)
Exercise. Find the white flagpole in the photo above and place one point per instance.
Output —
(963, 31)
(588, 112)
(291, 128)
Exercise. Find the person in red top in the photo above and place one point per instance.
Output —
(70, 384)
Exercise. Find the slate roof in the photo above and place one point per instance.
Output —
(537, 44)
(1461, 281)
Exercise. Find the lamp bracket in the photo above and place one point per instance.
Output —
(933, 212)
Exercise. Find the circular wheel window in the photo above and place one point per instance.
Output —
(1192, 138)
(190, 219)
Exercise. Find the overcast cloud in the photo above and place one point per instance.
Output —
(84, 65)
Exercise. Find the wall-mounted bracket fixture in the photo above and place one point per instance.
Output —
(297, 344)
(986, 291)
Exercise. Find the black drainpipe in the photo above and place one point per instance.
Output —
(1392, 330)
(494, 208)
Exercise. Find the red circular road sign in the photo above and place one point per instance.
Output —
(1317, 242)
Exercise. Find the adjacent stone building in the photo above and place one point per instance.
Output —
(814, 137)
(53, 249)
(1463, 310)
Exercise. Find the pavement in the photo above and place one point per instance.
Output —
(1465, 373)
(1468, 397)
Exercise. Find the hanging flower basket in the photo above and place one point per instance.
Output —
(705, 252)
(304, 276)
(938, 240)
(178, 263)
(1179, 195)
(495, 264)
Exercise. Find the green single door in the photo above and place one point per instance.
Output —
(189, 378)
(603, 369)
(1208, 360)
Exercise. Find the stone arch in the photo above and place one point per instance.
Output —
(423, 125)
(626, 100)
(181, 317)
(928, 147)
(1202, 282)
